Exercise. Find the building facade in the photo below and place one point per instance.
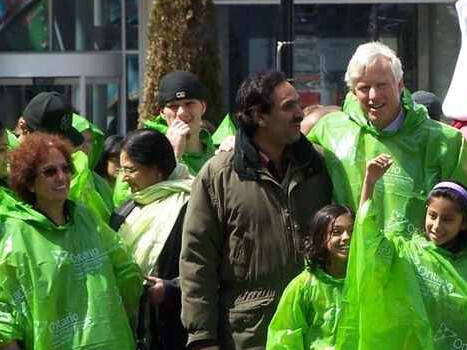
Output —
(94, 50)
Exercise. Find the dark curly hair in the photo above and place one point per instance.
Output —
(256, 93)
(25, 160)
(459, 200)
(315, 251)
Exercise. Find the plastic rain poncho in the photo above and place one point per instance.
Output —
(307, 315)
(83, 188)
(401, 293)
(147, 227)
(194, 161)
(423, 151)
(101, 185)
(82, 124)
(226, 128)
(11, 139)
(65, 287)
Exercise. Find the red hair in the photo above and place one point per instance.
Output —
(25, 160)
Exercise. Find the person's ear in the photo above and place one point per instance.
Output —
(204, 106)
(258, 117)
(22, 127)
(400, 86)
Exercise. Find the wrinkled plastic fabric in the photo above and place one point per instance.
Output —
(226, 128)
(308, 312)
(11, 139)
(83, 188)
(82, 124)
(401, 293)
(194, 161)
(423, 150)
(65, 287)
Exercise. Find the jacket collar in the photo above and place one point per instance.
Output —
(247, 160)
(414, 114)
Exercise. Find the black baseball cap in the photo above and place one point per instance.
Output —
(178, 85)
(51, 112)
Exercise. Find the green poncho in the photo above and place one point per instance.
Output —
(84, 188)
(65, 287)
(149, 224)
(82, 124)
(101, 185)
(307, 315)
(401, 293)
(424, 151)
(194, 161)
(11, 139)
(226, 128)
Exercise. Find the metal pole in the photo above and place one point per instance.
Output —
(284, 48)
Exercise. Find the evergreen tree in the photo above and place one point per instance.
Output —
(181, 37)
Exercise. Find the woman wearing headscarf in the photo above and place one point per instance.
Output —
(151, 225)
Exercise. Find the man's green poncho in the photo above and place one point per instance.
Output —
(307, 315)
(194, 161)
(101, 185)
(148, 226)
(84, 188)
(65, 287)
(401, 293)
(82, 124)
(424, 151)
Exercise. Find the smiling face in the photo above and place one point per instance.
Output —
(379, 93)
(282, 123)
(443, 220)
(52, 182)
(338, 238)
(137, 175)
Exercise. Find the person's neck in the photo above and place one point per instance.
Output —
(336, 268)
(54, 210)
(274, 151)
(193, 144)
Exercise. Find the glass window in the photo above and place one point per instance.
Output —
(252, 43)
(23, 25)
(424, 36)
(86, 25)
(132, 24)
(132, 91)
(103, 104)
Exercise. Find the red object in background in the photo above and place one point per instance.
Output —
(308, 88)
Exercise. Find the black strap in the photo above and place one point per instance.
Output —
(120, 214)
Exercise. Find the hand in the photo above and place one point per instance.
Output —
(156, 290)
(177, 133)
(227, 145)
(377, 167)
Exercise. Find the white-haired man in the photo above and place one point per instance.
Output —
(379, 116)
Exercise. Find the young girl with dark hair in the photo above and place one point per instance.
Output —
(308, 311)
(407, 293)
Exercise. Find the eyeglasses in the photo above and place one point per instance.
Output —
(126, 170)
(52, 171)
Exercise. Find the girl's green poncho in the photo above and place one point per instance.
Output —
(307, 315)
(402, 293)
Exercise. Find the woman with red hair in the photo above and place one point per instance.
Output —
(66, 280)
